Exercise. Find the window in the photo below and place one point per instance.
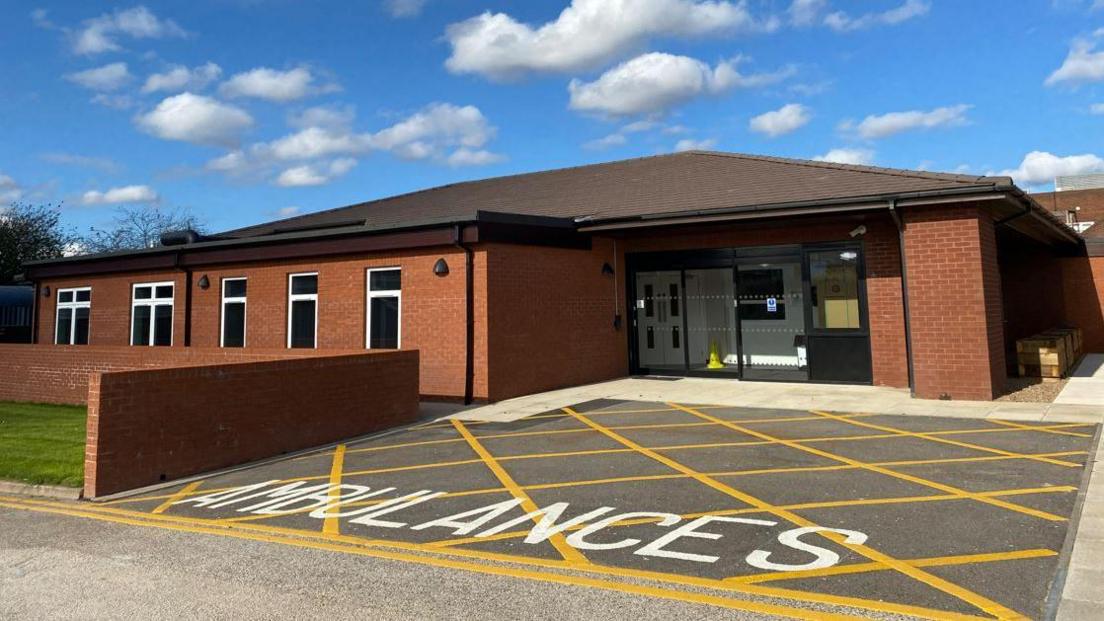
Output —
(232, 329)
(73, 309)
(151, 314)
(384, 306)
(834, 280)
(762, 294)
(303, 310)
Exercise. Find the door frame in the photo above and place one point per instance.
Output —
(730, 258)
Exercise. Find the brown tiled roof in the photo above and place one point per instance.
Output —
(680, 182)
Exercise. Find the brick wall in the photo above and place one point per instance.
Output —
(955, 303)
(154, 425)
(550, 313)
(1083, 293)
(59, 374)
(432, 308)
(1033, 291)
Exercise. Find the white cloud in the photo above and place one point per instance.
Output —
(689, 144)
(328, 117)
(587, 34)
(784, 120)
(311, 175)
(101, 34)
(275, 85)
(847, 156)
(101, 164)
(121, 195)
(442, 132)
(1083, 64)
(196, 119)
(655, 82)
(10, 191)
(118, 102)
(882, 125)
(1097, 108)
(473, 157)
(287, 212)
(405, 8)
(606, 142)
(178, 78)
(106, 78)
(806, 12)
(1040, 167)
(842, 22)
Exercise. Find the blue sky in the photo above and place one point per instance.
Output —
(250, 110)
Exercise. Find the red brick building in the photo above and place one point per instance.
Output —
(695, 263)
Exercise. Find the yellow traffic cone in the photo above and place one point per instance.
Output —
(714, 357)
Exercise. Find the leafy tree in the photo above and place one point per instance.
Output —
(139, 227)
(30, 233)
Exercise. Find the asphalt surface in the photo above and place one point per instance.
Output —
(679, 510)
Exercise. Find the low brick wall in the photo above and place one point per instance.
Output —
(151, 425)
(59, 374)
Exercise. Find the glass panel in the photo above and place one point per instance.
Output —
(385, 323)
(302, 323)
(164, 292)
(834, 285)
(84, 296)
(772, 339)
(385, 280)
(64, 325)
(140, 333)
(233, 324)
(143, 293)
(303, 285)
(80, 330)
(657, 319)
(711, 320)
(162, 324)
(64, 297)
(233, 288)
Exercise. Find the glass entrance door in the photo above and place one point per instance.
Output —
(771, 306)
(711, 336)
(659, 324)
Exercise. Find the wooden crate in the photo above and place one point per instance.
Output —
(1043, 355)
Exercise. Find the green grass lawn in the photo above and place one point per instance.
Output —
(42, 444)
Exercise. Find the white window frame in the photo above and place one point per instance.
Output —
(296, 297)
(233, 300)
(152, 302)
(388, 293)
(74, 305)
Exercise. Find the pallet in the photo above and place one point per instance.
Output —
(1050, 354)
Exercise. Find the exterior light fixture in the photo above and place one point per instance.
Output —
(441, 268)
(46, 291)
(204, 282)
(849, 255)
(607, 269)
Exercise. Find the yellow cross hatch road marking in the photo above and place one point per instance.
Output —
(982, 603)
(330, 525)
(932, 437)
(1039, 428)
(558, 541)
(859, 568)
(950, 489)
(357, 545)
(179, 495)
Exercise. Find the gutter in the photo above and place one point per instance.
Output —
(894, 212)
(469, 312)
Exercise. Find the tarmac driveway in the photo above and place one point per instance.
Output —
(777, 512)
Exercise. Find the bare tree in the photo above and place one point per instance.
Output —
(30, 233)
(140, 227)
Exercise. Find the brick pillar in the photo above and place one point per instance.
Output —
(954, 303)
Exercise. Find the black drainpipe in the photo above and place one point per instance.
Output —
(34, 314)
(469, 311)
(187, 302)
(894, 212)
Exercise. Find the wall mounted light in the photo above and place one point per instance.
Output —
(607, 269)
(204, 282)
(46, 291)
(441, 267)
